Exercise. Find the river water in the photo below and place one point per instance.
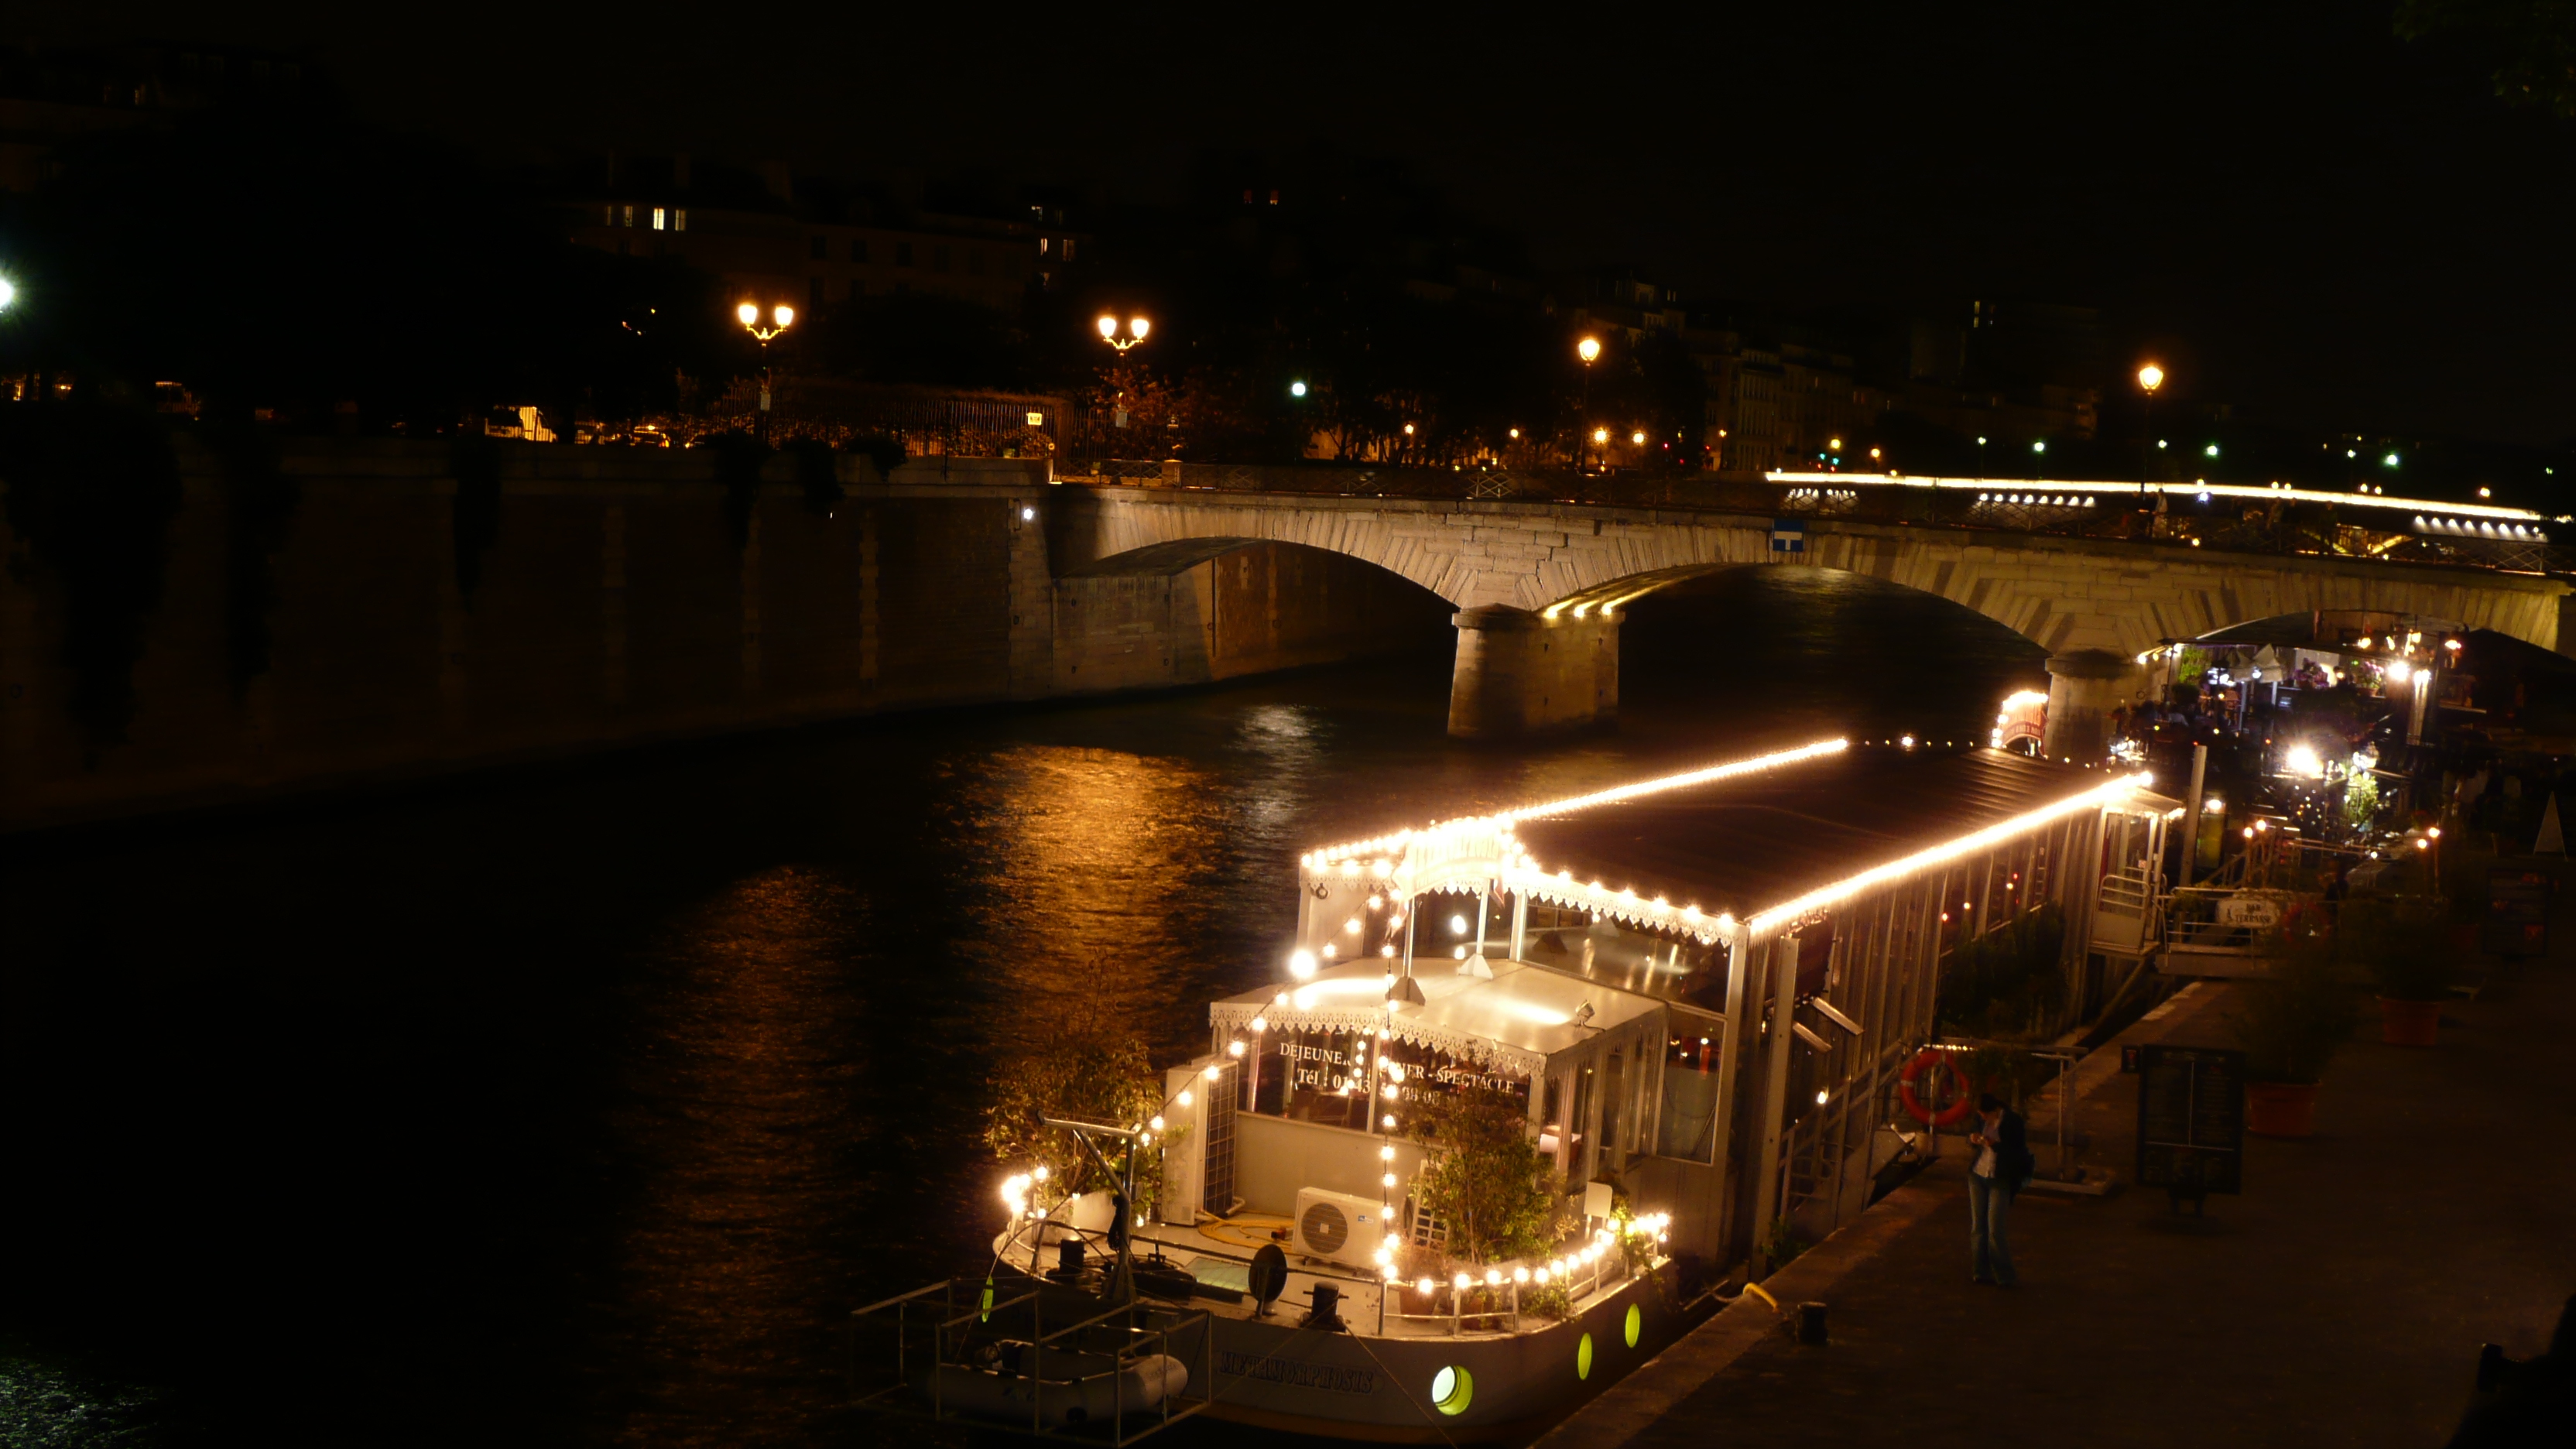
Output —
(580, 1105)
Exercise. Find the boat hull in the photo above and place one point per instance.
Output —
(1498, 1388)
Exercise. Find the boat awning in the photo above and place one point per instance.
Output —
(1516, 1020)
(1698, 854)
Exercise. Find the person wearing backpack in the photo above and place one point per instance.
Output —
(2001, 1168)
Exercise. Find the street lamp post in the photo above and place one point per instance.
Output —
(1589, 349)
(1134, 336)
(2150, 377)
(781, 317)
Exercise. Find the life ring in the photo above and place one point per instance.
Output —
(1951, 1115)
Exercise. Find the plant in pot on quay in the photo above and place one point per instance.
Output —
(2409, 961)
(2292, 1022)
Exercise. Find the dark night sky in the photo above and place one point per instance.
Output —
(2298, 212)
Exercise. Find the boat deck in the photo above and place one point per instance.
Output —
(1219, 1251)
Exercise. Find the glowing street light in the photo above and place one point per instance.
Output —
(2389, 462)
(1296, 389)
(1589, 349)
(1137, 327)
(781, 317)
(2151, 377)
(8, 293)
(1638, 437)
(1600, 435)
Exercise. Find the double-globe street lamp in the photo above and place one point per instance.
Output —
(781, 317)
(1134, 334)
(1589, 350)
(2150, 377)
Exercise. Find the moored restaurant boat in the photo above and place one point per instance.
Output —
(1693, 995)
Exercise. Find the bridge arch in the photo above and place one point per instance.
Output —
(1539, 588)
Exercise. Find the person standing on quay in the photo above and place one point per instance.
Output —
(2003, 1163)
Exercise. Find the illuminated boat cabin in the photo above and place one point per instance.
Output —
(1702, 987)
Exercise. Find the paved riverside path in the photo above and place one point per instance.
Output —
(2339, 1301)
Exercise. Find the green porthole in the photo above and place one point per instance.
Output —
(1451, 1388)
(1636, 1324)
(1583, 1358)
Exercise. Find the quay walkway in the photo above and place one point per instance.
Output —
(2340, 1301)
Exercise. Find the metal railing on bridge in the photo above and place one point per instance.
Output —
(2229, 518)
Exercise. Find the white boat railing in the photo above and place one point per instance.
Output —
(938, 1329)
(1579, 1278)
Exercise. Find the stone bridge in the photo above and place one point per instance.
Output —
(1539, 586)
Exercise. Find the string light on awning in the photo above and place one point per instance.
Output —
(1347, 858)
(1767, 922)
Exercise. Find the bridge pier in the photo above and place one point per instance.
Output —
(2083, 688)
(1524, 673)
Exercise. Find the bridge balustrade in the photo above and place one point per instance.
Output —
(2106, 511)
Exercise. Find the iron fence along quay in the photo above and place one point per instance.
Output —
(2235, 518)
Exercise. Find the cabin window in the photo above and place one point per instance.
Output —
(1325, 1077)
(1578, 1167)
(1686, 1127)
(1614, 1097)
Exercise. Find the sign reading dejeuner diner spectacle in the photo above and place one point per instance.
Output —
(2191, 1118)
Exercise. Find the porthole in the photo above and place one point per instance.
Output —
(1451, 1388)
(1583, 1358)
(1636, 1324)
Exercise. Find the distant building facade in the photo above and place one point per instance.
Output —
(774, 238)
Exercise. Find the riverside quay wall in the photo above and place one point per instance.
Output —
(379, 619)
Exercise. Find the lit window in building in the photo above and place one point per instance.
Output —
(626, 216)
(1045, 244)
(680, 219)
(657, 218)
(1068, 249)
(608, 215)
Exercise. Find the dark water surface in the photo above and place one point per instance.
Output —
(580, 1106)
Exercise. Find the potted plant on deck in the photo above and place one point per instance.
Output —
(2409, 961)
(2292, 1022)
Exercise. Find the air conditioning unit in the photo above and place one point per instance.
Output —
(1339, 1228)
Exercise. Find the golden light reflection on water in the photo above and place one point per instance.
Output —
(1094, 854)
(745, 1091)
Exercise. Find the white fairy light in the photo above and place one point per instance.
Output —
(1987, 838)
